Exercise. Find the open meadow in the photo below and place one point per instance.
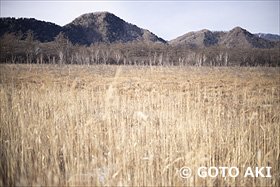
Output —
(138, 125)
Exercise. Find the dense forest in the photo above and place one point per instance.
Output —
(19, 48)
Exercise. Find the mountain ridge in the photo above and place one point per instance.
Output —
(105, 27)
(268, 36)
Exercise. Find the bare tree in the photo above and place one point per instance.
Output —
(10, 45)
(29, 46)
(117, 56)
(63, 46)
(105, 55)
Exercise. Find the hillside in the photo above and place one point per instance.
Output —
(44, 31)
(235, 38)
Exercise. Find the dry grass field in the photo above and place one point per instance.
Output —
(137, 126)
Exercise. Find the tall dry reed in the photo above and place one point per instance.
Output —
(112, 125)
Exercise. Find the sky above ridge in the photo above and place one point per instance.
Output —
(167, 19)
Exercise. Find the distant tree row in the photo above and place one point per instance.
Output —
(15, 49)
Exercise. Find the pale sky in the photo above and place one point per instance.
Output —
(166, 19)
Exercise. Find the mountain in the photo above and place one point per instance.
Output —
(86, 29)
(203, 38)
(268, 36)
(108, 28)
(241, 38)
(235, 38)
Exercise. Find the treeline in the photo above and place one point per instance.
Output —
(26, 49)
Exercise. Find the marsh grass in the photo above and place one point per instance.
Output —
(128, 125)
